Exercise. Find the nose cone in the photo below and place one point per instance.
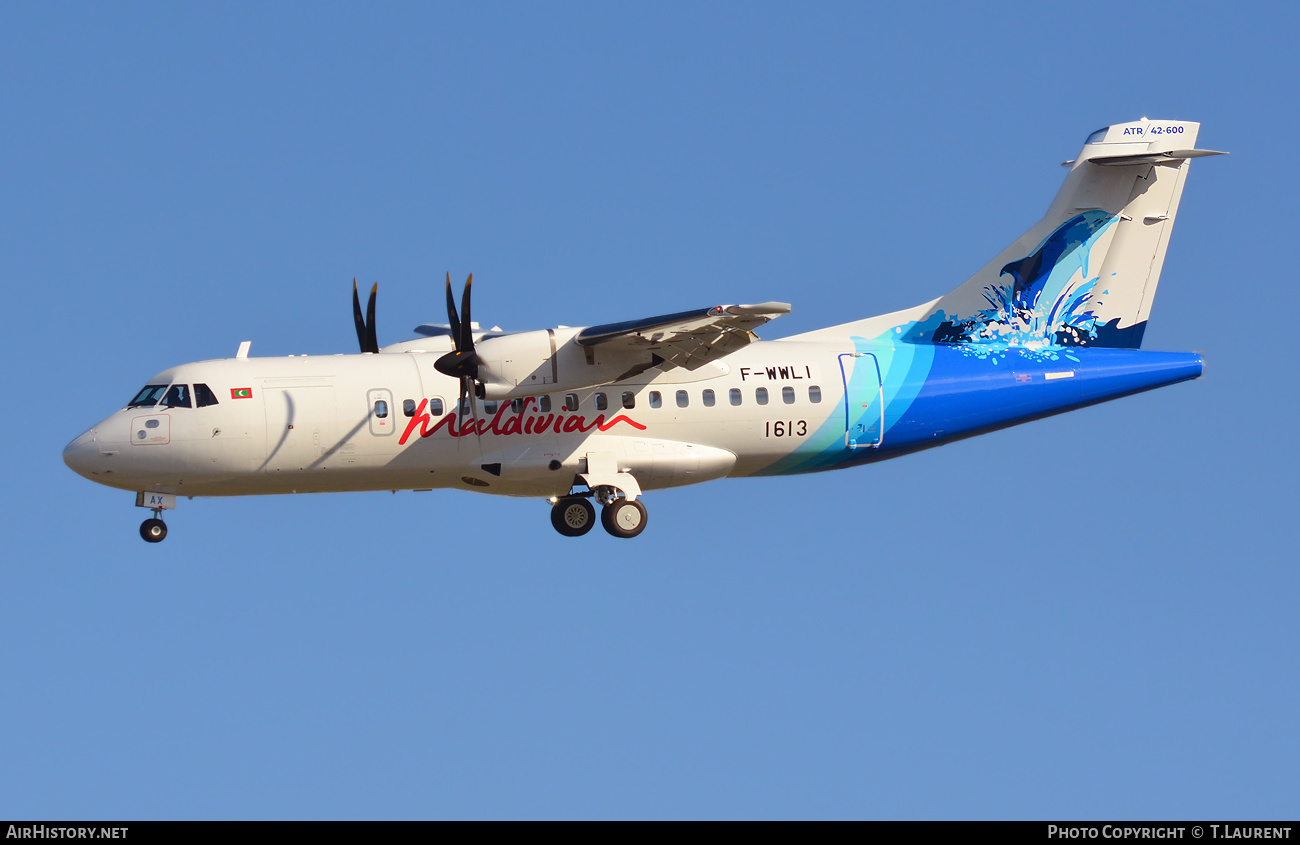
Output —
(82, 455)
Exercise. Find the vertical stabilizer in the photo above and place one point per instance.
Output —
(1084, 275)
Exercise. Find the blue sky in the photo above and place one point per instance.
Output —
(1086, 617)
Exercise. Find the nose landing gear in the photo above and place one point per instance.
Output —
(153, 530)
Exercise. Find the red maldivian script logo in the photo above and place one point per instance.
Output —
(509, 423)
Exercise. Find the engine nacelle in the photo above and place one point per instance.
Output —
(546, 361)
(516, 364)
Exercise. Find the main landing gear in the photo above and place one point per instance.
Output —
(575, 515)
(622, 518)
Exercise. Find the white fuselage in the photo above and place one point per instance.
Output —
(388, 421)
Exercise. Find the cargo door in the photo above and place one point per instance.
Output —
(301, 427)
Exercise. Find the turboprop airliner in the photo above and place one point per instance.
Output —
(599, 416)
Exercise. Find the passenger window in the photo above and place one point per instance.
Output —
(570, 401)
(734, 393)
(544, 404)
(708, 398)
(787, 395)
(408, 407)
(760, 395)
(148, 397)
(490, 408)
(655, 399)
(683, 399)
(381, 409)
(629, 399)
(203, 396)
(435, 406)
(814, 394)
(178, 396)
(517, 406)
(601, 402)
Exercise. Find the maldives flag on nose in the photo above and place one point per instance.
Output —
(241, 393)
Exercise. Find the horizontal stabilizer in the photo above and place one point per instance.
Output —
(1172, 157)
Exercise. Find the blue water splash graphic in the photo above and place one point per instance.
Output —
(1050, 300)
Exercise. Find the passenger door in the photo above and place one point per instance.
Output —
(864, 401)
(380, 402)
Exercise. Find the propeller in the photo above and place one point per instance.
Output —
(462, 362)
(365, 325)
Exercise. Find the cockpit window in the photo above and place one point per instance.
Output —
(203, 396)
(178, 396)
(148, 397)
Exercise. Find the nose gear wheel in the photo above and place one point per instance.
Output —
(153, 530)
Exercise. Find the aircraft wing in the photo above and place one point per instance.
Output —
(687, 339)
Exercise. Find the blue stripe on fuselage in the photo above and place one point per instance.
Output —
(965, 391)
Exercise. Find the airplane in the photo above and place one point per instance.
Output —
(600, 415)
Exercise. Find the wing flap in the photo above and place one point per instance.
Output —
(687, 339)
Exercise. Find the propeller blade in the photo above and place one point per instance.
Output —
(466, 324)
(473, 406)
(366, 338)
(462, 362)
(372, 340)
(356, 315)
(453, 322)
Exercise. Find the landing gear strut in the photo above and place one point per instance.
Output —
(154, 530)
